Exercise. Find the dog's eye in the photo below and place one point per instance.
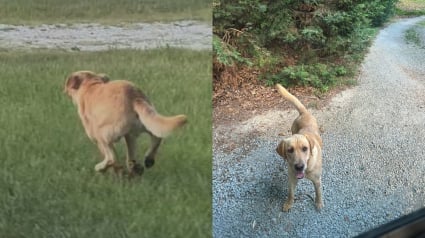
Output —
(305, 148)
(291, 150)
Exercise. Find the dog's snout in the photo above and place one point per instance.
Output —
(299, 167)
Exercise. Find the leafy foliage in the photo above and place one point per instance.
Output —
(305, 35)
(320, 76)
(227, 54)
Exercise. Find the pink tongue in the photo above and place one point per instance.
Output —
(300, 175)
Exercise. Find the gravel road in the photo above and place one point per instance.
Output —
(95, 37)
(374, 155)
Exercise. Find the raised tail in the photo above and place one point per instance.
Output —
(158, 125)
(288, 96)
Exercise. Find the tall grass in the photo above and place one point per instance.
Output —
(48, 186)
(105, 11)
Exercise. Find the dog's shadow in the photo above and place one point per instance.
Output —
(277, 182)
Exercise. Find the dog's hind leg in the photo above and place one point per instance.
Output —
(108, 152)
(151, 153)
(132, 165)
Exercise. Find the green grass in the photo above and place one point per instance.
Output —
(413, 36)
(103, 11)
(48, 186)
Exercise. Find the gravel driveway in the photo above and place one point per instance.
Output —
(95, 37)
(374, 155)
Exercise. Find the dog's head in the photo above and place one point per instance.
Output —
(80, 78)
(297, 150)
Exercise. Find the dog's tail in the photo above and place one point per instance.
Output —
(158, 125)
(288, 96)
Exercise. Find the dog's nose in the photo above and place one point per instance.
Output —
(299, 167)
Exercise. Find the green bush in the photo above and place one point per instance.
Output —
(309, 32)
(227, 54)
(320, 76)
(381, 11)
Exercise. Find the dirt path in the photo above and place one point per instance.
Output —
(374, 158)
(95, 37)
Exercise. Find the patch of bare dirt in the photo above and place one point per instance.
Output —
(97, 37)
(238, 95)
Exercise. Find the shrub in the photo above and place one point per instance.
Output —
(308, 32)
(320, 76)
(227, 54)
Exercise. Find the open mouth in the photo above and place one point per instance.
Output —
(299, 174)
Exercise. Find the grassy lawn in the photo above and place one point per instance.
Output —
(48, 186)
(103, 11)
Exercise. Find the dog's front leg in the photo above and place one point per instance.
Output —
(108, 152)
(318, 189)
(292, 182)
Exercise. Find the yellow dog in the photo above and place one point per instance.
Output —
(302, 151)
(110, 110)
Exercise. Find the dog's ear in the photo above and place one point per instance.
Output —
(313, 144)
(281, 149)
(73, 82)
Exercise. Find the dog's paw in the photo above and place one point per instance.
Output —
(100, 167)
(138, 169)
(319, 205)
(135, 168)
(287, 206)
(149, 162)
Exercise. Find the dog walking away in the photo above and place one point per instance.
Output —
(302, 151)
(110, 110)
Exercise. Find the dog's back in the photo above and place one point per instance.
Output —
(117, 103)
